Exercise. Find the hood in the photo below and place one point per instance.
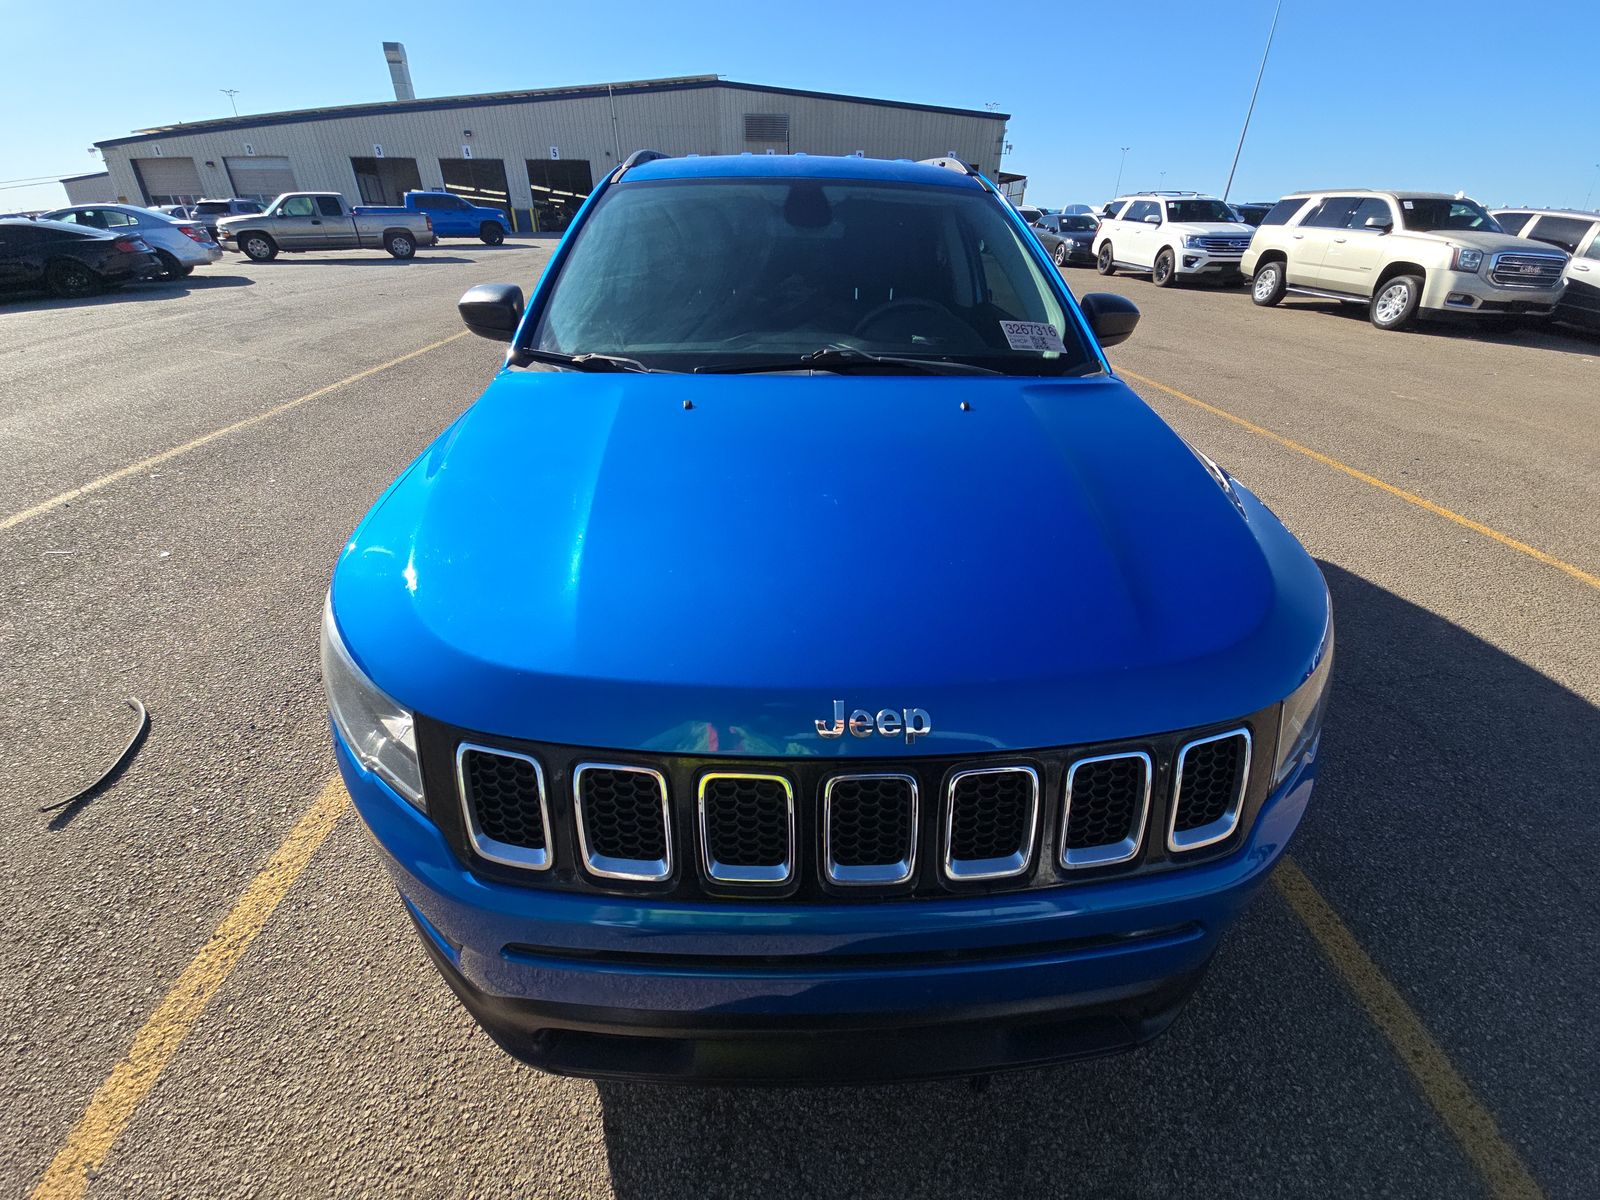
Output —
(1488, 242)
(582, 559)
(1213, 228)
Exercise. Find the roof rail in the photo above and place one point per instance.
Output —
(950, 163)
(638, 158)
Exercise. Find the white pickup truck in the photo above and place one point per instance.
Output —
(298, 221)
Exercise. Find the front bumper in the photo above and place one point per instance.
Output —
(1460, 291)
(1206, 262)
(608, 986)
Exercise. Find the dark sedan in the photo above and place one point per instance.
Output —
(69, 260)
(1067, 238)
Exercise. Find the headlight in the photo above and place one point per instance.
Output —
(1193, 241)
(378, 731)
(1466, 260)
(1300, 718)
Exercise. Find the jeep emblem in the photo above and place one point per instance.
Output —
(887, 722)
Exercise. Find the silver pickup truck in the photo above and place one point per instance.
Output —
(298, 221)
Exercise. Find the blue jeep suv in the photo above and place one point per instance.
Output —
(807, 660)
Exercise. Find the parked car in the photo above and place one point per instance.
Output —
(1067, 239)
(180, 212)
(1403, 254)
(301, 221)
(180, 245)
(675, 776)
(1250, 212)
(452, 216)
(71, 260)
(210, 212)
(1173, 236)
(1077, 210)
(1028, 212)
(1578, 234)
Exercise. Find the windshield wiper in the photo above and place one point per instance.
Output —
(841, 358)
(581, 362)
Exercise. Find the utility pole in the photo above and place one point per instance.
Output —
(1590, 192)
(1253, 91)
(230, 93)
(1117, 191)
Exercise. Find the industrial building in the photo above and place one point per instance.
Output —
(536, 154)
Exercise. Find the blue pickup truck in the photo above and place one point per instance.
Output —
(452, 216)
(808, 660)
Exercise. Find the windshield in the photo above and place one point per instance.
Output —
(1424, 215)
(744, 271)
(1200, 210)
(1079, 223)
(220, 206)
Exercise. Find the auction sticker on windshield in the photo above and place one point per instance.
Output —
(1032, 335)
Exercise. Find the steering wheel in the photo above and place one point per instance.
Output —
(906, 305)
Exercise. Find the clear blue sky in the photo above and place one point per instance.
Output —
(1373, 94)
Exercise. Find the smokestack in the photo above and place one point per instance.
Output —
(399, 71)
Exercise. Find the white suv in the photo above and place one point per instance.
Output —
(1172, 235)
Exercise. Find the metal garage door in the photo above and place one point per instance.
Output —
(168, 180)
(264, 177)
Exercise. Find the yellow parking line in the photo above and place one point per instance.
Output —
(130, 1081)
(155, 460)
(1438, 510)
(1472, 1124)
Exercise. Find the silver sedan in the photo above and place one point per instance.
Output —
(180, 245)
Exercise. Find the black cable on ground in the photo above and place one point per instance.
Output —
(109, 776)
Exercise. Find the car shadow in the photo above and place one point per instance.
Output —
(1450, 829)
(128, 293)
(1539, 333)
(374, 259)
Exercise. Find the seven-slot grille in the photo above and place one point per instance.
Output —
(808, 828)
(503, 795)
(990, 822)
(1515, 270)
(624, 826)
(1107, 802)
(747, 828)
(870, 829)
(1206, 804)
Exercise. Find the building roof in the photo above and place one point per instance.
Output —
(634, 87)
(86, 175)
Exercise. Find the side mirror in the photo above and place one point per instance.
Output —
(1111, 317)
(492, 310)
(1152, 219)
(1381, 224)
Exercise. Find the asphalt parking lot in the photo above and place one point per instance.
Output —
(1405, 1012)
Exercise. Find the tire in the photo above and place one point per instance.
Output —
(1164, 271)
(258, 247)
(1395, 302)
(1267, 288)
(491, 233)
(1061, 254)
(70, 278)
(171, 269)
(1105, 262)
(399, 244)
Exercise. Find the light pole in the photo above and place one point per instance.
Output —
(1117, 191)
(1253, 91)
(1590, 193)
(1163, 179)
(230, 93)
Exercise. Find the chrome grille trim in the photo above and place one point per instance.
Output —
(1226, 245)
(1550, 267)
(1110, 853)
(728, 873)
(487, 847)
(1222, 828)
(967, 870)
(881, 875)
(637, 869)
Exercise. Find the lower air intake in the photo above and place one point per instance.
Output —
(990, 821)
(623, 827)
(1209, 799)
